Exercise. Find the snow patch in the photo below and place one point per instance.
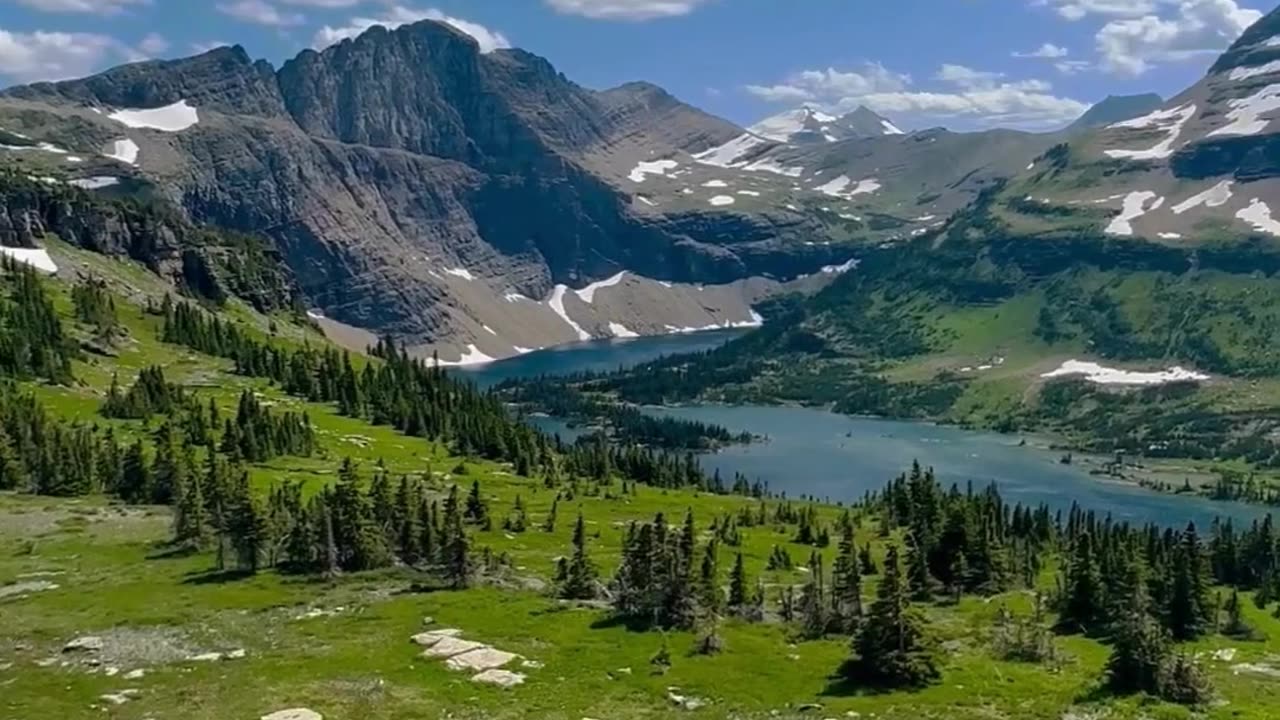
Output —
(126, 151)
(646, 201)
(556, 303)
(488, 329)
(37, 258)
(96, 182)
(1135, 206)
(38, 147)
(720, 200)
(621, 331)
(890, 128)
(516, 297)
(522, 350)
(728, 154)
(1244, 73)
(1215, 196)
(315, 314)
(171, 118)
(588, 293)
(463, 273)
(839, 187)
(715, 184)
(752, 193)
(1095, 373)
(1245, 113)
(772, 166)
(1258, 214)
(471, 356)
(657, 167)
(1169, 236)
(842, 268)
(1170, 121)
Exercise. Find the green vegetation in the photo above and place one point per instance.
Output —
(224, 488)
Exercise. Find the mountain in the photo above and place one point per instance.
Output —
(418, 187)
(1116, 108)
(810, 125)
(1121, 291)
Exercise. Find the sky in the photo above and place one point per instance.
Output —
(963, 64)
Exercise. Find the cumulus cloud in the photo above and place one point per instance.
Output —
(1131, 46)
(41, 55)
(96, 7)
(396, 15)
(1047, 51)
(978, 96)
(626, 9)
(1080, 9)
(324, 4)
(260, 12)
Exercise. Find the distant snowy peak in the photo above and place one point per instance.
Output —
(806, 125)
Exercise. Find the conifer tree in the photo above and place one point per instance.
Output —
(738, 585)
(189, 524)
(455, 551)
(846, 583)
(579, 574)
(549, 524)
(1083, 605)
(1188, 614)
(477, 511)
(709, 599)
(517, 520)
(893, 647)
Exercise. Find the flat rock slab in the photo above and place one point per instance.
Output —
(485, 658)
(450, 646)
(86, 643)
(501, 678)
(294, 714)
(431, 637)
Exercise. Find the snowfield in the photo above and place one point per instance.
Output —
(95, 183)
(721, 200)
(588, 293)
(1135, 206)
(556, 303)
(463, 273)
(842, 268)
(1244, 73)
(1245, 113)
(728, 154)
(1258, 214)
(171, 118)
(839, 187)
(772, 166)
(657, 167)
(1215, 196)
(622, 331)
(1170, 121)
(37, 258)
(126, 151)
(1095, 373)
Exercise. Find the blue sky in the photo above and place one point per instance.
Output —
(959, 63)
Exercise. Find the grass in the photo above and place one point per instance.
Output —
(156, 609)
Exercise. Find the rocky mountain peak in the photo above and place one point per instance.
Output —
(807, 124)
(1117, 108)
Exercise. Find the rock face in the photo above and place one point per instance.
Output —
(391, 168)
(1116, 108)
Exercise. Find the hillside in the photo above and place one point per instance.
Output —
(992, 320)
(295, 533)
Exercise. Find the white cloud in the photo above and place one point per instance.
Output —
(260, 12)
(97, 7)
(1131, 46)
(1072, 67)
(626, 9)
(1047, 51)
(1079, 9)
(396, 15)
(984, 98)
(153, 44)
(44, 55)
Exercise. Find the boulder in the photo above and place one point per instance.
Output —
(431, 637)
(501, 678)
(294, 714)
(485, 658)
(84, 643)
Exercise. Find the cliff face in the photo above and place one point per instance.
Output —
(394, 169)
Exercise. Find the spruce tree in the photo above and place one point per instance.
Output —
(709, 599)
(893, 648)
(580, 574)
(738, 585)
(846, 583)
(477, 511)
(455, 550)
(1188, 613)
(1083, 606)
(189, 524)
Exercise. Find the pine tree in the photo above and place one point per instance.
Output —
(1235, 624)
(709, 599)
(1140, 647)
(893, 647)
(455, 550)
(1188, 614)
(189, 524)
(549, 524)
(517, 520)
(580, 574)
(1083, 607)
(477, 511)
(846, 583)
(136, 483)
(738, 585)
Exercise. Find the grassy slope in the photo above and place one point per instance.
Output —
(359, 663)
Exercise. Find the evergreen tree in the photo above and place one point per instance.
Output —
(580, 574)
(893, 647)
(738, 585)
(477, 511)
(1083, 607)
(1188, 614)
(455, 550)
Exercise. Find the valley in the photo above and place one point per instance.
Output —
(408, 377)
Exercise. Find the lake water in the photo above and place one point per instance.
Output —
(836, 457)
